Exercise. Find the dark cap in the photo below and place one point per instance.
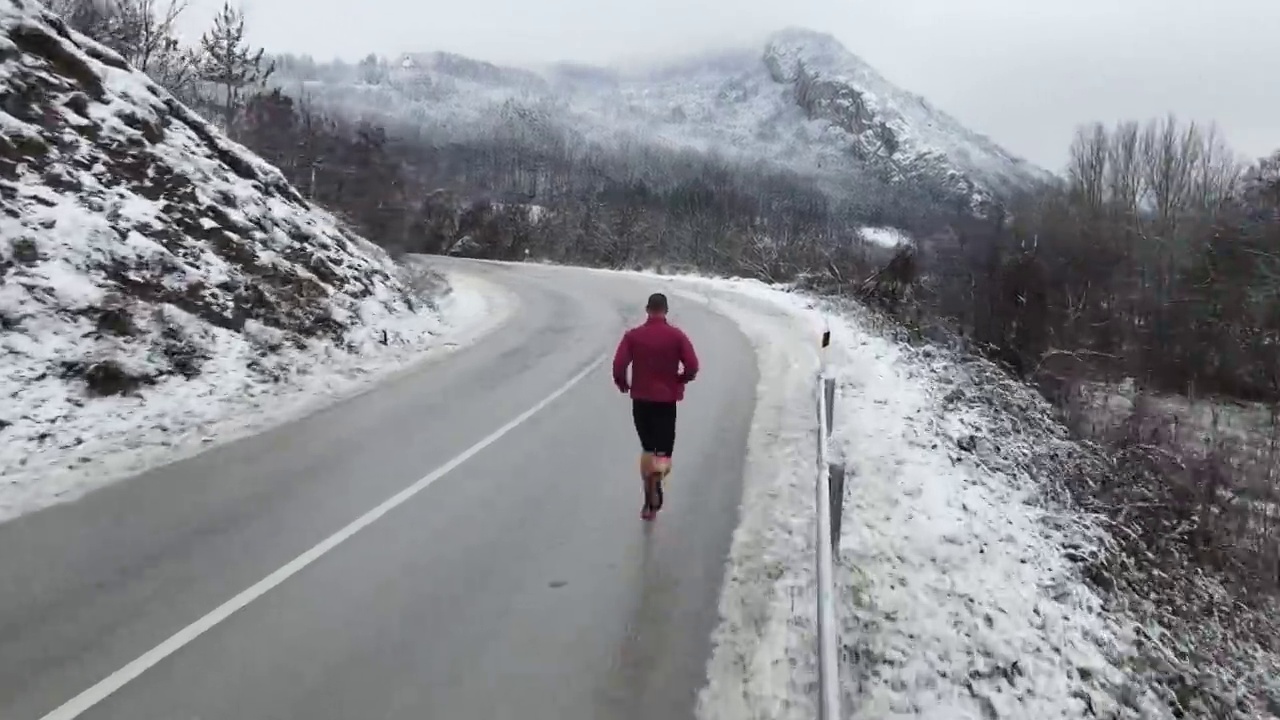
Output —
(657, 303)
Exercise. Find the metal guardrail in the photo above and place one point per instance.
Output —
(829, 492)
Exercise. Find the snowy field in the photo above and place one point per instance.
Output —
(57, 447)
(959, 598)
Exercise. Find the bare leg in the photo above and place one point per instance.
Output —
(647, 481)
(659, 466)
(662, 465)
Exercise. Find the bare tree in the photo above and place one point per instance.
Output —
(1261, 186)
(142, 32)
(1216, 176)
(1088, 166)
(1124, 169)
(1171, 156)
(102, 20)
(157, 50)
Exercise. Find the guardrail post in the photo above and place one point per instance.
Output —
(835, 471)
(829, 388)
(828, 669)
(835, 476)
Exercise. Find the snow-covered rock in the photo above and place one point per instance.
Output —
(154, 275)
(887, 125)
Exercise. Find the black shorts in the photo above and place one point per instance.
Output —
(656, 425)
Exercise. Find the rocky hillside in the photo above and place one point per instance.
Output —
(139, 247)
(884, 124)
(802, 103)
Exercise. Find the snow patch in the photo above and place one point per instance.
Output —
(886, 237)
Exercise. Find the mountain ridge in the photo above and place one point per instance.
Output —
(802, 102)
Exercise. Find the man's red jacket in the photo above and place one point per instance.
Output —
(656, 352)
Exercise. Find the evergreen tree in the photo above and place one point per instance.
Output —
(230, 65)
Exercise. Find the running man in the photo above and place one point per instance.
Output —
(662, 362)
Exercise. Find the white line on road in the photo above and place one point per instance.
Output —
(118, 679)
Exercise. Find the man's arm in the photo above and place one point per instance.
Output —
(689, 359)
(621, 360)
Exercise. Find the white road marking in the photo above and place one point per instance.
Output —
(79, 704)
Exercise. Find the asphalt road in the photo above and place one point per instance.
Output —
(520, 583)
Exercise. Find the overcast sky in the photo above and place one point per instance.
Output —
(1025, 72)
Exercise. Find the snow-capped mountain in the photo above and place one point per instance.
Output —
(145, 256)
(802, 103)
(884, 121)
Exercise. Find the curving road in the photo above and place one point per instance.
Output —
(506, 574)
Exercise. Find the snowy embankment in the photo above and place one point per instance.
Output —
(960, 597)
(59, 444)
(161, 287)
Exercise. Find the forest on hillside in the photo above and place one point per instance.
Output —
(1150, 271)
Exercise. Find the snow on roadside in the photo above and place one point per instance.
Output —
(57, 447)
(959, 600)
(967, 605)
(764, 665)
(885, 237)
